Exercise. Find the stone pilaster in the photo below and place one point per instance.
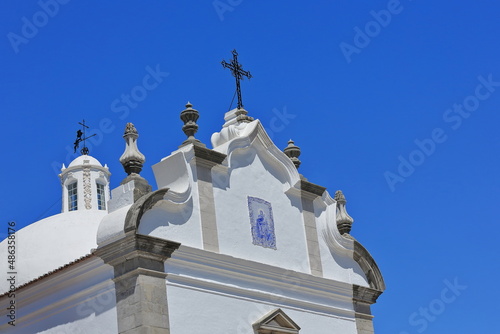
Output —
(363, 297)
(309, 192)
(141, 295)
(205, 159)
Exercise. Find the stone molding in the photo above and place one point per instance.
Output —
(207, 156)
(92, 167)
(365, 294)
(311, 190)
(136, 251)
(363, 297)
(369, 267)
(226, 275)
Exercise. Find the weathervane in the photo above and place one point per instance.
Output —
(80, 136)
(238, 74)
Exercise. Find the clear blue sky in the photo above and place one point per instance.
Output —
(395, 103)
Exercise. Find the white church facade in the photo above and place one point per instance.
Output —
(234, 240)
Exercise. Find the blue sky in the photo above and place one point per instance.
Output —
(394, 102)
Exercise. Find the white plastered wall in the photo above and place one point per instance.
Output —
(203, 311)
(338, 264)
(254, 178)
(177, 217)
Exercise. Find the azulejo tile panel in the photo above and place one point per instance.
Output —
(262, 222)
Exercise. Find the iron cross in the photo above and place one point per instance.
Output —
(238, 74)
(79, 135)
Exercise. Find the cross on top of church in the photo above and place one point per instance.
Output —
(238, 73)
(80, 136)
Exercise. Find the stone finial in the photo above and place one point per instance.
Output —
(293, 152)
(344, 221)
(132, 160)
(189, 116)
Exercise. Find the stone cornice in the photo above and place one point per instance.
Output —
(132, 242)
(207, 157)
(136, 251)
(67, 170)
(218, 273)
(311, 190)
(365, 294)
(199, 258)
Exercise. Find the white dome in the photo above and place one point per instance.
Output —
(85, 158)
